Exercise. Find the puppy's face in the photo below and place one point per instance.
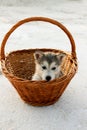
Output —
(48, 65)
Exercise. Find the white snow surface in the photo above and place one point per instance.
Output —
(70, 112)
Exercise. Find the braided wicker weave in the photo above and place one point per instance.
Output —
(19, 66)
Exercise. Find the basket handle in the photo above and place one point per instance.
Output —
(73, 48)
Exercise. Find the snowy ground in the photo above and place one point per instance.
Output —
(70, 112)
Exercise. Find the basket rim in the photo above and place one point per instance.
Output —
(61, 79)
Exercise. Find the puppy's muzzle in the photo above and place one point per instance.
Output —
(48, 78)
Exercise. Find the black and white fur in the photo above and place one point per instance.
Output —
(47, 65)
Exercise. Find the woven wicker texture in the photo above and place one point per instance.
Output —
(19, 66)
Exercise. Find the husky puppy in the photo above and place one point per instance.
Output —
(47, 65)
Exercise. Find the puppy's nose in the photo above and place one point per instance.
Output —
(48, 78)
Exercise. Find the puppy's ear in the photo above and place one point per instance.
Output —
(38, 55)
(60, 57)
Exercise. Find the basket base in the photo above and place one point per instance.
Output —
(41, 104)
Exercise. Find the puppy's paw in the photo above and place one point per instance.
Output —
(36, 77)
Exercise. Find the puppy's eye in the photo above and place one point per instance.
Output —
(54, 68)
(44, 67)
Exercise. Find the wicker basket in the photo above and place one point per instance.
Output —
(19, 66)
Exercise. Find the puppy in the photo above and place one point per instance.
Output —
(48, 65)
